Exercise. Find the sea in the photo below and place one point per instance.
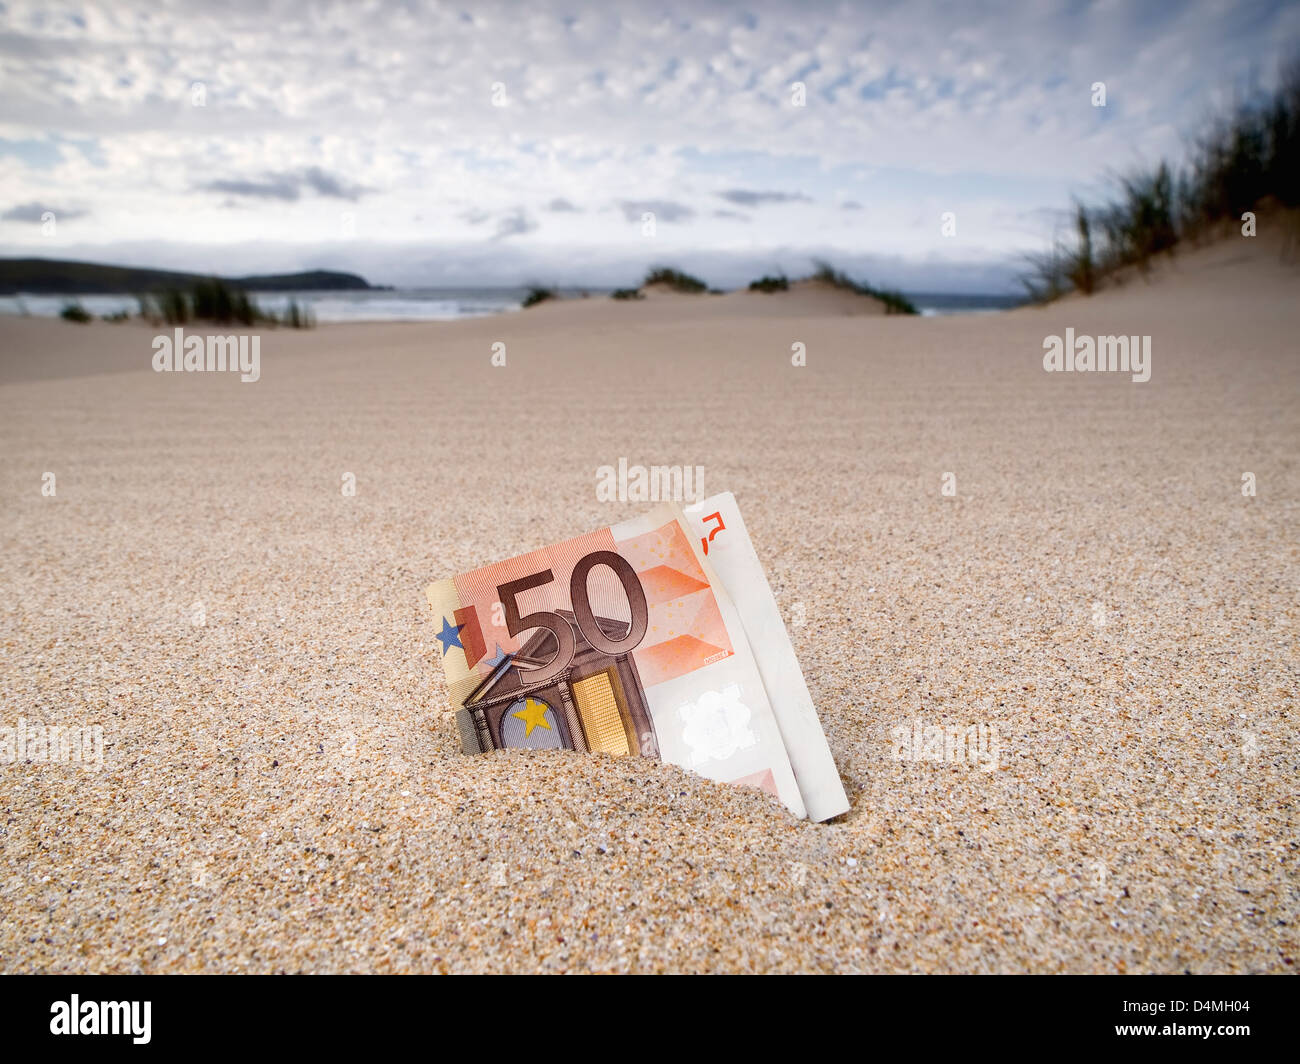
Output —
(426, 304)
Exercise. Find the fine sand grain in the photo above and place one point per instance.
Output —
(281, 788)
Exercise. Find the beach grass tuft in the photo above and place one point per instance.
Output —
(298, 316)
(674, 279)
(538, 294)
(214, 300)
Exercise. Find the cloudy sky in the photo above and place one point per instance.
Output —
(421, 143)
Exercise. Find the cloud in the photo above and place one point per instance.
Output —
(663, 210)
(288, 187)
(737, 215)
(515, 223)
(325, 184)
(744, 197)
(271, 188)
(31, 212)
(562, 206)
(850, 205)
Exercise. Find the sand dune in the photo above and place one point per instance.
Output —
(281, 788)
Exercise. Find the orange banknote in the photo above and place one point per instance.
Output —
(624, 641)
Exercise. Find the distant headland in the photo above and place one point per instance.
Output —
(64, 277)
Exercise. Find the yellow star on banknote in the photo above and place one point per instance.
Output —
(533, 715)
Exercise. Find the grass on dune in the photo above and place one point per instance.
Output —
(216, 302)
(674, 279)
(895, 302)
(1245, 159)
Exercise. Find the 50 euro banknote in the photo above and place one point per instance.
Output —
(656, 636)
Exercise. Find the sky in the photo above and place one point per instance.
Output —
(476, 144)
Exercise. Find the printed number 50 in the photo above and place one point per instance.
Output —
(582, 611)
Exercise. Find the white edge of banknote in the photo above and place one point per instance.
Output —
(783, 770)
(740, 572)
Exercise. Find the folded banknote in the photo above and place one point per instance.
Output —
(656, 636)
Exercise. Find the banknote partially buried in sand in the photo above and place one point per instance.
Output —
(656, 636)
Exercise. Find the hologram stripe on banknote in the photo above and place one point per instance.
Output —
(620, 641)
(722, 534)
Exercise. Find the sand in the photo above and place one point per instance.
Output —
(281, 788)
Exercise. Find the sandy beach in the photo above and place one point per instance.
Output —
(281, 787)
